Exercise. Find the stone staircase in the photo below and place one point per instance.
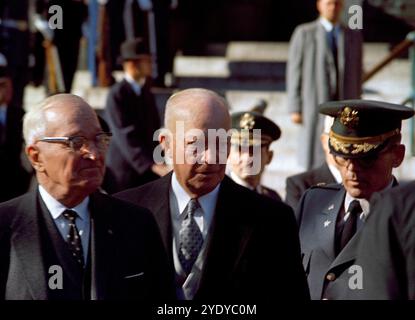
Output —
(250, 71)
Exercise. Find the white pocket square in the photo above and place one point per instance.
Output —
(136, 275)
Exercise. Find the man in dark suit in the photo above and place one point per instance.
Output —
(66, 241)
(245, 169)
(16, 178)
(328, 172)
(133, 118)
(224, 241)
(365, 141)
(386, 254)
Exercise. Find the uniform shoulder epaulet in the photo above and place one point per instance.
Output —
(330, 186)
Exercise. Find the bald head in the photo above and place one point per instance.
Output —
(200, 108)
(199, 158)
(52, 112)
(67, 172)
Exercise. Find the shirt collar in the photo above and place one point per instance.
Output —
(207, 202)
(328, 26)
(56, 208)
(134, 84)
(364, 203)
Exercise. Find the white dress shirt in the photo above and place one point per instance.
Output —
(82, 221)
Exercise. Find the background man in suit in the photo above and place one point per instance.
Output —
(97, 247)
(243, 144)
(15, 177)
(387, 248)
(365, 140)
(325, 63)
(245, 245)
(328, 172)
(133, 118)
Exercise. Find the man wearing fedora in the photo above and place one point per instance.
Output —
(365, 140)
(133, 118)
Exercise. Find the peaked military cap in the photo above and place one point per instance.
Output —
(246, 122)
(363, 127)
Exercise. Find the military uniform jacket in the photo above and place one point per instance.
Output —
(316, 215)
(386, 251)
(327, 274)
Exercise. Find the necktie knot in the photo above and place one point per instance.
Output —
(354, 208)
(192, 206)
(70, 215)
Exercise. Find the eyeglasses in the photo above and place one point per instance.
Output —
(76, 143)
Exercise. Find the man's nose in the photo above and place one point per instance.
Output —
(91, 151)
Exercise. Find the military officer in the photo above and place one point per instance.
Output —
(365, 141)
(250, 150)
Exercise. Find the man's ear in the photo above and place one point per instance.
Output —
(270, 156)
(33, 154)
(399, 155)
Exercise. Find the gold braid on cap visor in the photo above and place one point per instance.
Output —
(356, 145)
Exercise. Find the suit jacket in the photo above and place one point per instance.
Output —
(311, 80)
(125, 246)
(386, 251)
(253, 252)
(327, 274)
(297, 184)
(270, 193)
(133, 120)
(16, 178)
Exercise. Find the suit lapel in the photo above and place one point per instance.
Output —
(159, 205)
(326, 223)
(102, 245)
(348, 254)
(228, 237)
(27, 241)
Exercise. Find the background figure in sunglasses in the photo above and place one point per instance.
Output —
(365, 141)
(94, 246)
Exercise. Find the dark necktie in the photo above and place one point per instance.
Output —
(191, 239)
(73, 238)
(350, 224)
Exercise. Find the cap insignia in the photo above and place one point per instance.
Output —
(349, 117)
(247, 121)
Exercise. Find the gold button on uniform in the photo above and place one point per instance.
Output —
(331, 276)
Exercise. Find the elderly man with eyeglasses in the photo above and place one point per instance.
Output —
(365, 140)
(65, 240)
